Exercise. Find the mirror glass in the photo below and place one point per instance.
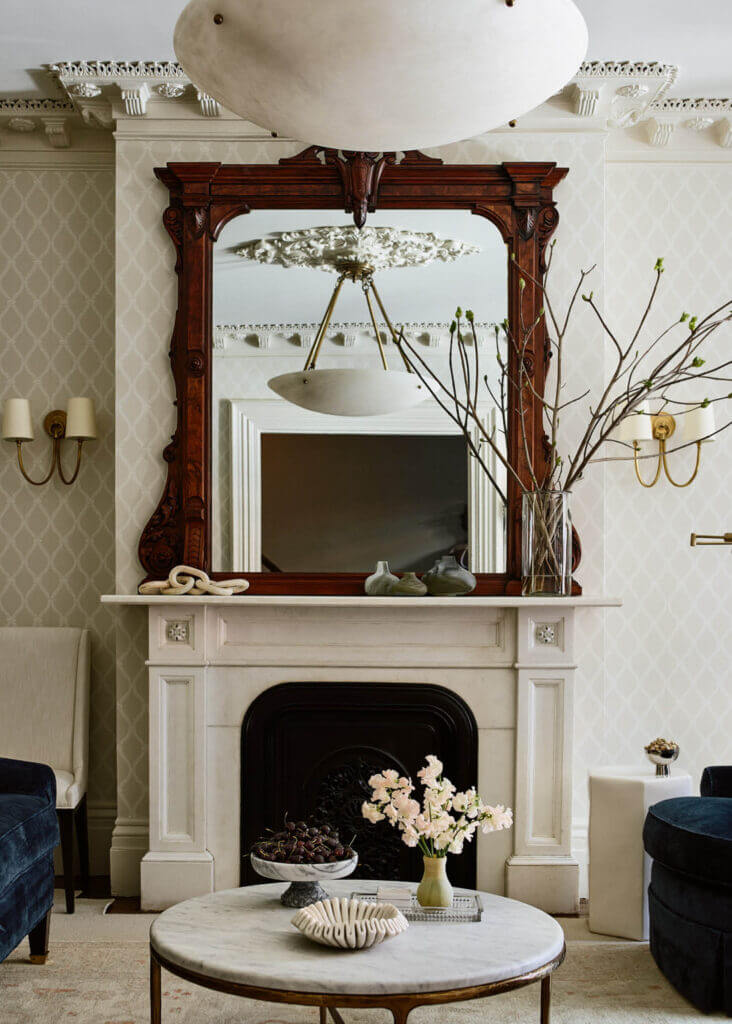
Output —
(302, 491)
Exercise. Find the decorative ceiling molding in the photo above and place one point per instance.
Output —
(629, 69)
(686, 104)
(47, 115)
(628, 98)
(659, 132)
(340, 249)
(241, 339)
(85, 82)
(672, 113)
(113, 69)
(35, 107)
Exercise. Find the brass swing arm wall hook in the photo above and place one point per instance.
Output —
(78, 424)
(698, 540)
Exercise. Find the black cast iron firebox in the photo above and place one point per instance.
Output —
(309, 748)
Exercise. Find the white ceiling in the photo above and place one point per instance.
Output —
(694, 35)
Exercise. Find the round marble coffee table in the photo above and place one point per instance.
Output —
(241, 941)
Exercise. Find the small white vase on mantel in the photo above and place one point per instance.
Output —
(379, 583)
(434, 890)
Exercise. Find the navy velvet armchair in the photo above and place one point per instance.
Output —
(690, 895)
(28, 835)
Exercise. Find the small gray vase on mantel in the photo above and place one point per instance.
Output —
(380, 583)
(447, 578)
(410, 585)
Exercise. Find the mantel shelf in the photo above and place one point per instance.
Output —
(299, 601)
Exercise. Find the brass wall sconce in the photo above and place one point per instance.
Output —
(696, 426)
(712, 540)
(78, 424)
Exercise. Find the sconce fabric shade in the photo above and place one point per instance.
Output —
(81, 424)
(350, 392)
(17, 425)
(382, 75)
(697, 423)
(636, 427)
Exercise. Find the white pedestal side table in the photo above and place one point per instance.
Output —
(620, 869)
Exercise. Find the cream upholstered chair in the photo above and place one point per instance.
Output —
(44, 700)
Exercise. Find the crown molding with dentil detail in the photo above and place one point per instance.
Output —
(244, 339)
(627, 100)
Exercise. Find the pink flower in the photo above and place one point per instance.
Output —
(409, 836)
(408, 809)
(431, 772)
(391, 813)
(371, 812)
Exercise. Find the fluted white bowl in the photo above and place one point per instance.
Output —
(350, 924)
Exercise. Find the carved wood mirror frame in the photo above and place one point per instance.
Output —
(516, 197)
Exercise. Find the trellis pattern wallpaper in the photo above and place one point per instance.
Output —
(668, 663)
(57, 332)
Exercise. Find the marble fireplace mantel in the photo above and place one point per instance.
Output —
(512, 659)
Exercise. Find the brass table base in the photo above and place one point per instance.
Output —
(400, 1006)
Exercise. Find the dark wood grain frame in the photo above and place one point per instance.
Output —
(516, 197)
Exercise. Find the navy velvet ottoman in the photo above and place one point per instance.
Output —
(690, 895)
(28, 835)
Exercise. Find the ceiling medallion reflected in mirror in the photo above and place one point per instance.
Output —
(354, 255)
(381, 75)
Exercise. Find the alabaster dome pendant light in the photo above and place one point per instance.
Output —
(383, 75)
(354, 255)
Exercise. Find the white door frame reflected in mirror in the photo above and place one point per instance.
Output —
(250, 418)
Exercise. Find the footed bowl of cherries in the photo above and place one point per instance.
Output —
(303, 854)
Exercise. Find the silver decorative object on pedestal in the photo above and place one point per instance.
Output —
(662, 753)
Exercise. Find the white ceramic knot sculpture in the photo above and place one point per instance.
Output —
(185, 579)
(350, 924)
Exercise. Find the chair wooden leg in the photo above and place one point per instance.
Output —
(38, 940)
(66, 826)
(82, 838)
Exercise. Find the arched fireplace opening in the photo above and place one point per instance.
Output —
(310, 748)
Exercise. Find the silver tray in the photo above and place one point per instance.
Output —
(464, 909)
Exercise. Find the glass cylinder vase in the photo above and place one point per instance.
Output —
(546, 544)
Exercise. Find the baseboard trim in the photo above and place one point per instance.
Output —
(101, 816)
(581, 853)
(130, 843)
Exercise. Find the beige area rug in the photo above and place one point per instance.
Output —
(98, 974)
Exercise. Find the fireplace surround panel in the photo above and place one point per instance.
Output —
(510, 661)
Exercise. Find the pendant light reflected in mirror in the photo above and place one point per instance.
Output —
(354, 255)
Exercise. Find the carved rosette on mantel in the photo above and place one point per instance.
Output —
(516, 197)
